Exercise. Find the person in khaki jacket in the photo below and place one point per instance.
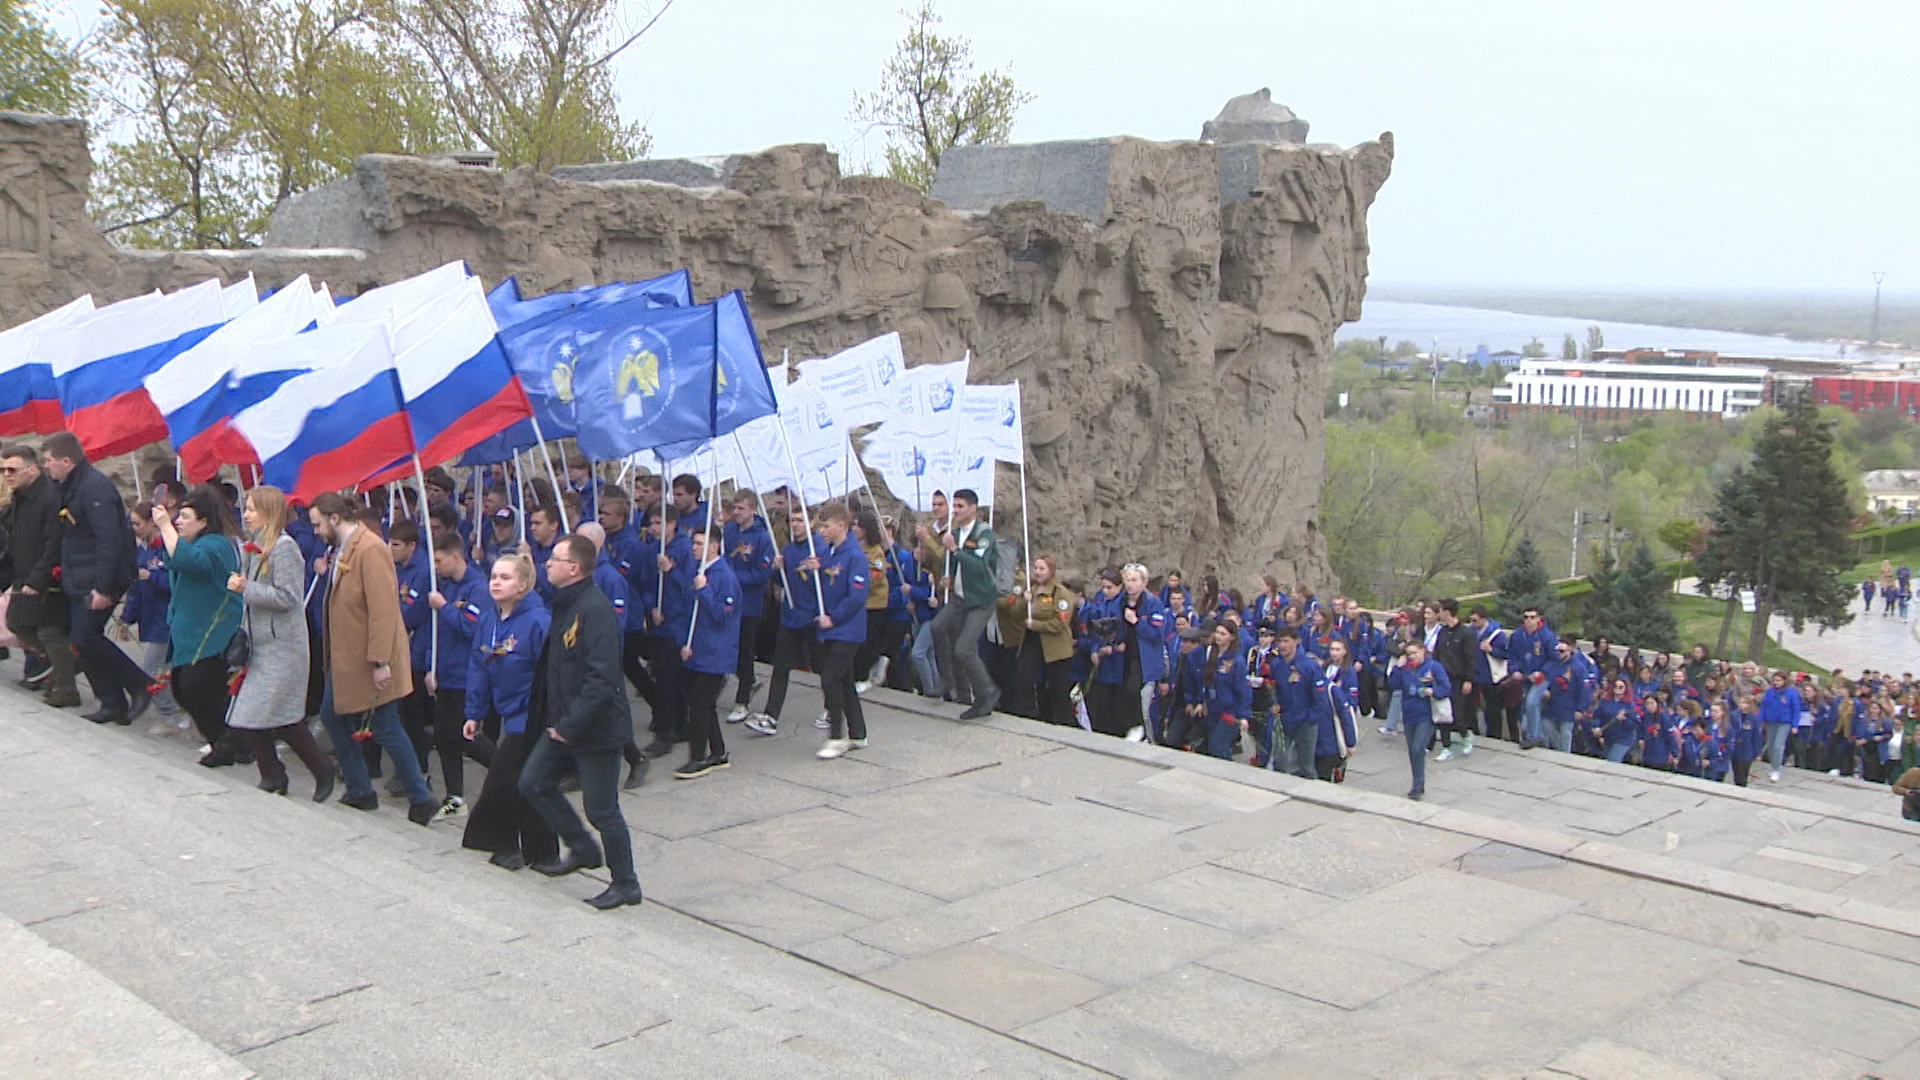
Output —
(1042, 641)
(366, 658)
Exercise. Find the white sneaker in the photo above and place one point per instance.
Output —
(161, 728)
(857, 744)
(1444, 755)
(762, 724)
(862, 687)
(1136, 734)
(1773, 775)
(880, 666)
(1467, 746)
(1833, 772)
(824, 721)
(832, 748)
(453, 807)
(736, 714)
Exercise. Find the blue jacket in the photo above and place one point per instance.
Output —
(1343, 696)
(800, 607)
(1151, 628)
(750, 557)
(501, 665)
(1656, 734)
(716, 622)
(414, 611)
(541, 553)
(1483, 661)
(1618, 723)
(1528, 653)
(901, 569)
(467, 603)
(1300, 689)
(1419, 687)
(1705, 758)
(1566, 691)
(146, 605)
(670, 593)
(301, 529)
(1744, 739)
(843, 586)
(1780, 705)
(1264, 607)
(608, 579)
(1221, 688)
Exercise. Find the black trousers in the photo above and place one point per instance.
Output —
(704, 737)
(633, 654)
(201, 689)
(743, 673)
(450, 742)
(599, 772)
(109, 670)
(1369, 693)
(836, 685)
(299, 738)
(794, 647)
(417, 715)
(1022, 692)
(316, 668)
(1114, 708)
(1462, 719)
(501, 821)
(874, 646)
(669, 691)
(899, 653)
(1740, 771)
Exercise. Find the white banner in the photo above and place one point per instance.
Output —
(762, 456)
(860, 384)
(990, 417)
(828, 473)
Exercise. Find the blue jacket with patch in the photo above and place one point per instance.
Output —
(505, 654)
(414, 611)
(716, 622)
(843, 585)
(467, 602)
(750, 557)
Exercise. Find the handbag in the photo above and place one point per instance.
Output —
(1443, 710)
(239, 648)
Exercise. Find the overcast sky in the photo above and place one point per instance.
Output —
(1692, 144)
(1621, 144)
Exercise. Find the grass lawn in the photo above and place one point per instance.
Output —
(1699, 619)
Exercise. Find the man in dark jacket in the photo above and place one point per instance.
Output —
(1456, 652)
(585, 700)
(37, 611)
(96, 568)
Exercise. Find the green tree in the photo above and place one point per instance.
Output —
(1682, 536)
(930, 100)
(1569, 348)
(40, 72)
(234, 105)
(1595, 342)
(1780, 527)
(1534, 350)
(1640, 612)
(1597, 607)
(1522, 584)
(532, 80)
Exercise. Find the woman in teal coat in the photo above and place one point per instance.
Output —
(203, 551)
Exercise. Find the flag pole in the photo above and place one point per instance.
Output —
(786, 587)
(713, 496)
(552, 477)
(1026, 535)
(520, 485)
(806, 520)
(887, 535)
(666, 500)
(433, 573)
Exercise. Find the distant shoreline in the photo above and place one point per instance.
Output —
(1809, 318)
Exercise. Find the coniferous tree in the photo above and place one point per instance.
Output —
(1780, 527)
(1522, 584)
(1641, 614)
(1597, 617)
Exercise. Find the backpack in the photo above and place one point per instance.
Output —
(1006, 567)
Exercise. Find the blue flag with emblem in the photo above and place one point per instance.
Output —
(641, 376)
(743, 391)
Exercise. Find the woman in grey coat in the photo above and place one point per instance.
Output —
(271, 705)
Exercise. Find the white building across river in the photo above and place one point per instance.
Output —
(1611, 390)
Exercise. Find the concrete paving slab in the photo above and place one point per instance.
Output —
(1604, 1059)
(1318, 967)
(1230, 900)
(1838, 965)
(997, 989)
(1112, 941)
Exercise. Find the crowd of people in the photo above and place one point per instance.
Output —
(503, 621)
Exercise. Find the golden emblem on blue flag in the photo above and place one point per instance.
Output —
(639, 373)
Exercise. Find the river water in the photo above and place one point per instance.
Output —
(1461, 330)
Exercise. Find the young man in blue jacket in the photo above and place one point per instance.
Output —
(411, 569)
(794, 643)
(712, 649)
(1421, 682)
(1779, 712)
(842, 621)
(668, 608)
(748, 545)
(458, 606)
(1528, 650)
(1300, 691)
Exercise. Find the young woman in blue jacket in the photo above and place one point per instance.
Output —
(1779, 711)
(1339, 725)
(1615, 722)
(1217, 695)
(712, 652)
(507, 642)
(1656, 742)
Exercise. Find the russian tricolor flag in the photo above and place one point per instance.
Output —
(455, 381)
(29, 401)
(340, 421)
(99, 364)
(194, 391)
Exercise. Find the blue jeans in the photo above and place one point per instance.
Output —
(1221, 736)
(1617, 753)
(389, 733)
(924, 666)
(1530, 722)
(1300, 746)
(1560, 735)
(1419, 735)
(599, 773)
(1393, 712)
(1777, 743)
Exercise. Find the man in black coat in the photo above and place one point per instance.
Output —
(1455, 653)
(96, 569)
(37, 609)
(580, 687)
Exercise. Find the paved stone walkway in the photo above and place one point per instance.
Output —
(993, 899)
(1871, 640)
